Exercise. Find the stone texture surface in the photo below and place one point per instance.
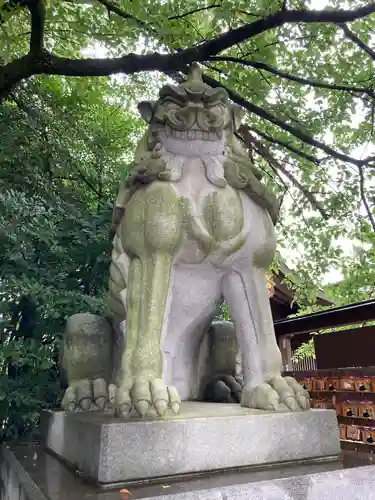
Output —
(352, 484)
(15, 483)
(203, 437)
(41, 476)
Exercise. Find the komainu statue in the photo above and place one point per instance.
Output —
(194, 225)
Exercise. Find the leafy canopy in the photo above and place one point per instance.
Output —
(305, 76)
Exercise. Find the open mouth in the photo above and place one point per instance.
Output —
(194, 134)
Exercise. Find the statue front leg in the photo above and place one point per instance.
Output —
(130, 331)
(264, 388)
(142, 385)
(149, 389)
(289, 390)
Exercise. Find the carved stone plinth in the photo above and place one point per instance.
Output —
(204, 437)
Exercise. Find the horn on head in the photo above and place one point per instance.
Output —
(195, 74)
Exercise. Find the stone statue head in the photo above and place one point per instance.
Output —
(193, 119)
(191, 111)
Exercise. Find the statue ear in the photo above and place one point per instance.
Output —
(146, 110)
(237, 115)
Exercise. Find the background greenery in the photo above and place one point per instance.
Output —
(65, 144)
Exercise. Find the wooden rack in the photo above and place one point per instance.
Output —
(357, 431)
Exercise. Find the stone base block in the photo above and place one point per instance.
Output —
(29, 472)
(204, 437)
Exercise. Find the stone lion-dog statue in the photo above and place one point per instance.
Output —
(194, 226)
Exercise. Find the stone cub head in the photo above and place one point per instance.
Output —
(192, 111)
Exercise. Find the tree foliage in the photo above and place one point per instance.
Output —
(60, 167)
(305, 79)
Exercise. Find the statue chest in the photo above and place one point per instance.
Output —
(218, 208)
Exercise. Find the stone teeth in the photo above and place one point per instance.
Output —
(194, 134)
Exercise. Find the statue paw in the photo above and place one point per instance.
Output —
(278, 394)
(224, 389)
(146, 396)
(88, 395)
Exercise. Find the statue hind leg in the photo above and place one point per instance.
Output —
(223, 382)
(86, 363)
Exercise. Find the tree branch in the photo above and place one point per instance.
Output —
(8, 9)
(364, 198)
(250, 140)
(294, 78)
(77, 178)
(238, 99)
(38, 15)
(354, 38)
(112, 7)
(14, 72)
(190, 12)
(232, 37)
(51, 64)
(283, 144)
(296, 132)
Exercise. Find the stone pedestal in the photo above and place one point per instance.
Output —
(204, 437)
(29, 472)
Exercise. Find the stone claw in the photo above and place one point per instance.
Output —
(161, 407)
(263, 397)
(304, 402)
(142, 407)
(85, 404)
(278, 393)
(123, 402)
(112, 392)
(174, 399)
(100, 393)
(100, 402)
(292, 403)
(71, 407)
(86, 395)
(123, 410)
(176, 408)
(148, 396)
